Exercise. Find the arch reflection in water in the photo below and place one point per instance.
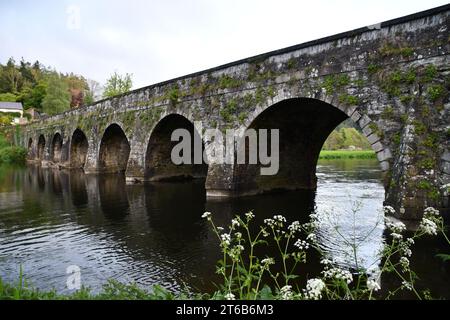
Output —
(113, 196)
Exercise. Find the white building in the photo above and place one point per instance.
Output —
(13, 107)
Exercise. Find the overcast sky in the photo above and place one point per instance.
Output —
(160, 40)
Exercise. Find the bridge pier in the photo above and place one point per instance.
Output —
(135, 172)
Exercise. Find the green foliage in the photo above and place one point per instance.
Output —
(8, 97)
(389, 50)
(347, 154)
(57, 99)
(430, 73)
(424, 185)
(227, 82)
(347, 99)
(13, 155)
(388, 113)
(228, 112)
(291, 63)
(344, 138)
(174, 95)
(434, 92)
(373, 68)
(333, 83)
(117, 84)
(27, 83)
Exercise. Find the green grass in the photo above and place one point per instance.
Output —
(112, 290)
(347, 154)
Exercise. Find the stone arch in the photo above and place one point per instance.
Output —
(158, 163)
(41, 147)
(78, 149)
(56, 148)
(304, 124)
(114, 150)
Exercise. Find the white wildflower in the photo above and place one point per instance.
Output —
(410, 241)
(339, 274)
(294, 227)
(265, 263)
(286, 293)
(226, 239)
(428, 226)
(220, 229)
(269, 222)
(396, 236)
(397, 227)
(229, 296)
(235, 223)
(326, 261)
(206, 215)
(311, 237)
(404, 261)
(314, 288)
(301, 244)
(238, 235)
(372, 285)
(388, 210)
(279, 218)
(249, 215)
(430, 211)
(407, 252)
(406, 285)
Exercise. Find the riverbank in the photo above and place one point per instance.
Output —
(112, 290)
(347, 154)
(10, 154)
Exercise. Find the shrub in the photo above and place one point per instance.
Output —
(13, 155)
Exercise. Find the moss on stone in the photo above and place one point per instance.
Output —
(435, 92)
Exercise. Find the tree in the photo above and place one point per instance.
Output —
(77, 87)
(8, 97)
(117, 84)
(10, 77)
(57, 98)
(92, 93)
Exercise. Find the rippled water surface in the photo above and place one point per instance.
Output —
(153, 233)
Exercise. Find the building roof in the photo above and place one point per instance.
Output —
(11, 105)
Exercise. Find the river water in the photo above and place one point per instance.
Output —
(154, 234)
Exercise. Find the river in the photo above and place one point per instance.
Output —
(154, 233)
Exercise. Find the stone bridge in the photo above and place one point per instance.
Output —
(392, 79)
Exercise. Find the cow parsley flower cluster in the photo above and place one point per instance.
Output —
(388, 210)
(396, 229)
(311, 237)
(229, 296)
(265, 263)
(404, 262)
(249, 215)
(206, 215)
(314, 288)
(301, 244)
(225, 239)
(430, 221)
(286, 293)
(372, 285)
(339, 274)
(294, 227)
(428, 226)
(276, 221)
